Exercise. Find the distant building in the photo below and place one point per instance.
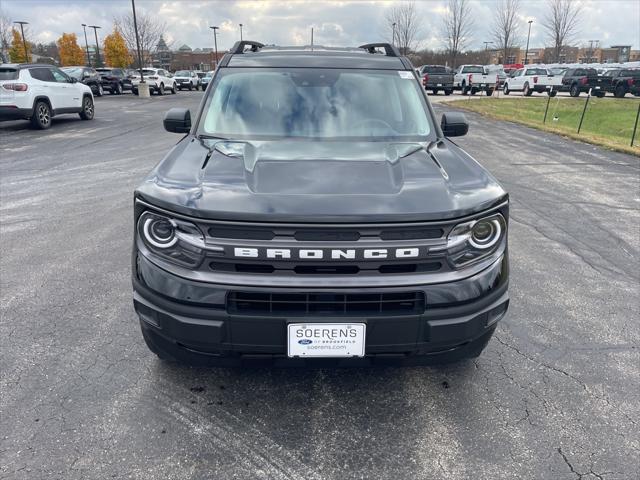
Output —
(162, 57)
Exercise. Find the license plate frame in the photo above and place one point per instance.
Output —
(326, 340)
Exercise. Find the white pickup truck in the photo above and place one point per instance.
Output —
(474, 78)
(532, 79)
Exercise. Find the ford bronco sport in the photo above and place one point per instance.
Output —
(315, 212)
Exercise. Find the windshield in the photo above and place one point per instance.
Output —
(74, 72)
(316, 103)
(182, 73)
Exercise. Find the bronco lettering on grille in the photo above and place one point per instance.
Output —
(328, 253)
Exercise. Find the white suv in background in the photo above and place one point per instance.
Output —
(39, 92)
(159, 81)
(187, 79)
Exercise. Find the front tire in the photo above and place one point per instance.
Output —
(464, 89)
(41, 117)
(88, 109)
(619, 92)
(190, 86)
(527, 92)
(574, 91)
(161, 89)
(173, 89)
(100, 90)
(505, 89)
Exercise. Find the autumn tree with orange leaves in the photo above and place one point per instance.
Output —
(70, 52)
(116, 53)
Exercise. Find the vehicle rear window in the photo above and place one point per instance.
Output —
(630, 73)
(148, 72)
(8, 74)
(474, 69)
(435, 69)
(103, 70)
(316, 103)
(536, 71)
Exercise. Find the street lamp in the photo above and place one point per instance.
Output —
(86, 42)
(526, 52)
(95, 31)
(215, 43)
(486, 46)
(24, 42)
(240, 32)
(393, 35)
(135, 27)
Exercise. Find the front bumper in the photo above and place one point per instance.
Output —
(192, 318)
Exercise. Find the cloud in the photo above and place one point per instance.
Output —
(347, 22)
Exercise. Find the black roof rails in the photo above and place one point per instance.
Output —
(239, 46)
(389, 50)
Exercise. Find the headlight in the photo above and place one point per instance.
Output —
(172, 239)
(472, 241)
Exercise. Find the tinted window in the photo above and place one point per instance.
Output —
(320, 104)
(434, 69)
(146, 71)
(630, 73)
(59, 76)
(8, 74)
(611, 73)
(43, 74)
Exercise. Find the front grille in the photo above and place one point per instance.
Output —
(338, 304)
(326, 269)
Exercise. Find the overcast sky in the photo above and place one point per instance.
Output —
(345, 23)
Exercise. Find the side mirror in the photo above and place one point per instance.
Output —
(177, 120)
(454, 124)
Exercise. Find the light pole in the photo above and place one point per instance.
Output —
(86, 43)
(215, 43)
(591, 42)
(135, 27)
(526, 52)
(24, 42)
(486, 47)
(393, 35)
(95, 31)
(240, 32)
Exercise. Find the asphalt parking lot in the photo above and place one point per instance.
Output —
(555, 395)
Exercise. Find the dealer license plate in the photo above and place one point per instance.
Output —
(326, 339)
(439, 85)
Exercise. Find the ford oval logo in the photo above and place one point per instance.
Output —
(305, 341)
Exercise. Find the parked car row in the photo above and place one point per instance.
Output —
(575, 81)
(117, 81)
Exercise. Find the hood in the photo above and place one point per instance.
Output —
(312, 181)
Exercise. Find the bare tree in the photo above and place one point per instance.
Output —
(505, 27)
(150, 29)
(457, 28)
(5, 34)
(403, 24)
(561, 23)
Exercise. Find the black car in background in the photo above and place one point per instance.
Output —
(87, 75)
(620, 82)
(115, 80)
(578, 80)
(437, 78)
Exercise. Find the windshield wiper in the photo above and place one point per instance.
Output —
(204, 136)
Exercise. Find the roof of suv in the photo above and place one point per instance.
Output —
(365, 57)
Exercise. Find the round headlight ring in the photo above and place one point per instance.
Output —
(485, 233)
(159, 232)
